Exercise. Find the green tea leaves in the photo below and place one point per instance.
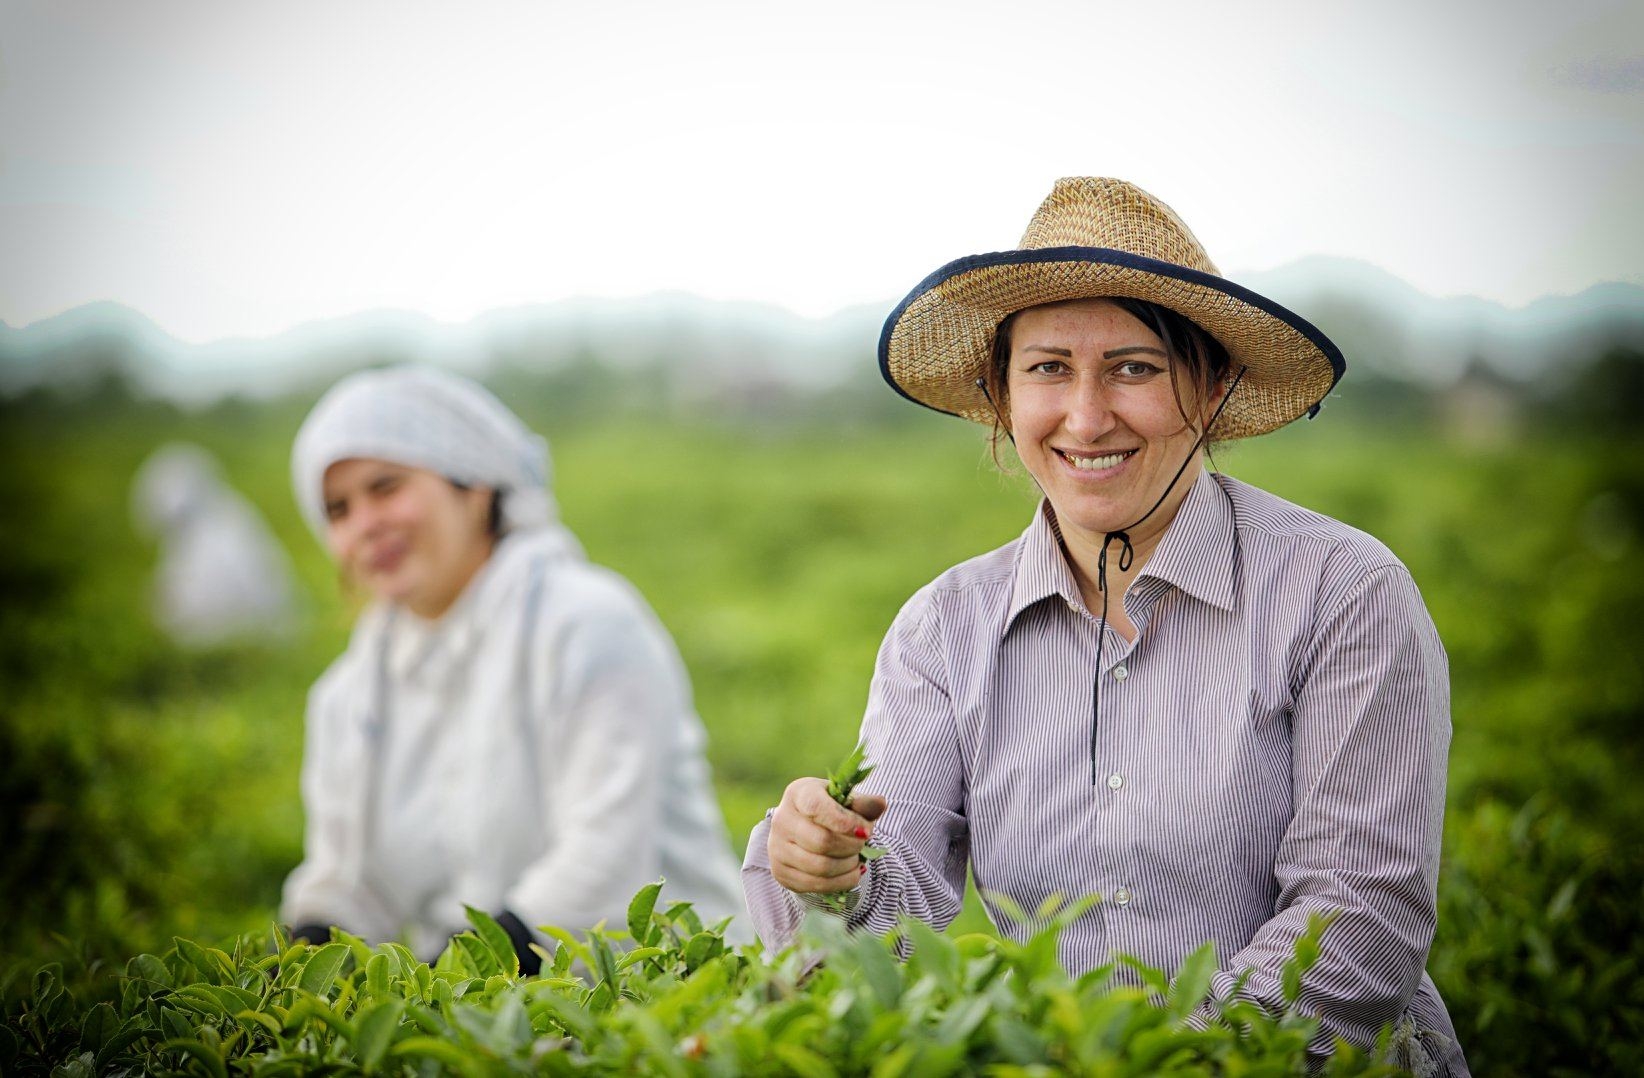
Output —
(322, 968)
(843, 779)
(687, 1003)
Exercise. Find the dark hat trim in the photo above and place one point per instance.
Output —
(1108, 256)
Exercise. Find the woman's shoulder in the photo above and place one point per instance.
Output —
(576, 602)
(980, 575)
(966, 593)
(1271, 526)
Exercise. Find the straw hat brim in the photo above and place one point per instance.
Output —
(938, 341)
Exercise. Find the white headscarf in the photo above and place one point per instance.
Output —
(423, 417)
(174, 484)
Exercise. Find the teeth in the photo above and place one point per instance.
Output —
(1092, 464)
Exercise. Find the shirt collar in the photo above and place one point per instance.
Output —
(423, 649)
(1195, 555)
(1041, 568)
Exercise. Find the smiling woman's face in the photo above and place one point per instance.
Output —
(1095, 417)
(407, 534)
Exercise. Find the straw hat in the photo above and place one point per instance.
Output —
(1103, 237)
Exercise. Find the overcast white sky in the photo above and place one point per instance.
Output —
(232, 169)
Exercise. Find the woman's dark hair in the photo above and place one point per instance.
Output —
(493, 515)
(1190, 347)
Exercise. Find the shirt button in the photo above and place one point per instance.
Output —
(1120, 673)
(1122, 896)
(1115, 780)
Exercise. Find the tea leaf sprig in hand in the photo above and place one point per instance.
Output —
(842, 782)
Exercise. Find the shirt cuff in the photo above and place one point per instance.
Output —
(777, 911)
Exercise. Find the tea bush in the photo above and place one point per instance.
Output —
(667, 997)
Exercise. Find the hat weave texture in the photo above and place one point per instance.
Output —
(1098, 237)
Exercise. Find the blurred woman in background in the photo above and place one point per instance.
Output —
(222, 577)
(510, 728)
(1222, 713)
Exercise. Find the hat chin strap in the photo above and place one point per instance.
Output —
(1127, 552)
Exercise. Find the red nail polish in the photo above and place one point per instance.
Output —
(862, 869)
(861, 832)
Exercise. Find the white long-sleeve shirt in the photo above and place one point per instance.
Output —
(534, 749)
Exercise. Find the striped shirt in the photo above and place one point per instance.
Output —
(1272, 744)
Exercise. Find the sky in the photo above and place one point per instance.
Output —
(232, 169)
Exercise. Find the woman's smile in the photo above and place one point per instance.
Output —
(387, 557)
(1093, 466)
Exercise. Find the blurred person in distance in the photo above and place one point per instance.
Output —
(222, 577)
(1221, 712)
(510, 727)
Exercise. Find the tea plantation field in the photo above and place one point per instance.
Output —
(151, 793)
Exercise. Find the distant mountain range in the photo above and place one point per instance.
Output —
(1382, 324)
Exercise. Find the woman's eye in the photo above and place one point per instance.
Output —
(1049, 366)
(335, 510)
(1135, 368)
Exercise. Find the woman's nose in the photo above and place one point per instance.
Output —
(1088, 413)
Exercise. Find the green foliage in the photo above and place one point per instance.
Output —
(843, 780)
(152, 793)
(667, 997)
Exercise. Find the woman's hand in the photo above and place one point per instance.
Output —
(815, 842)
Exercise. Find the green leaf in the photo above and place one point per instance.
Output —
(78, 1067)
(1192, 981)
(174, 1025)
(356, 946)
(604, 960)
(374, 1031)
(497, 939)
(702, 948)
(842, 781)
(205, 1053)
(638, 955)
(639, 913)
(404, 959)
(377, 975)
(804, 1062)
(1151, 976)
(478, 958)
(135, 1028)
(684, 915)
(100, 1024)
(1290, 982)
(1007, 907)
(258, 1018)
(232, 997)
(877, 966)
(204, 964)
(570, 948)
(510, 1025)
(322, 968)
(899, 1062)
(439, 1051)
(149, 967)
(317, 1008)
(199, 997)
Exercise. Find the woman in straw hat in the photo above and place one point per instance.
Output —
(510, 728)
(1222, 713)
